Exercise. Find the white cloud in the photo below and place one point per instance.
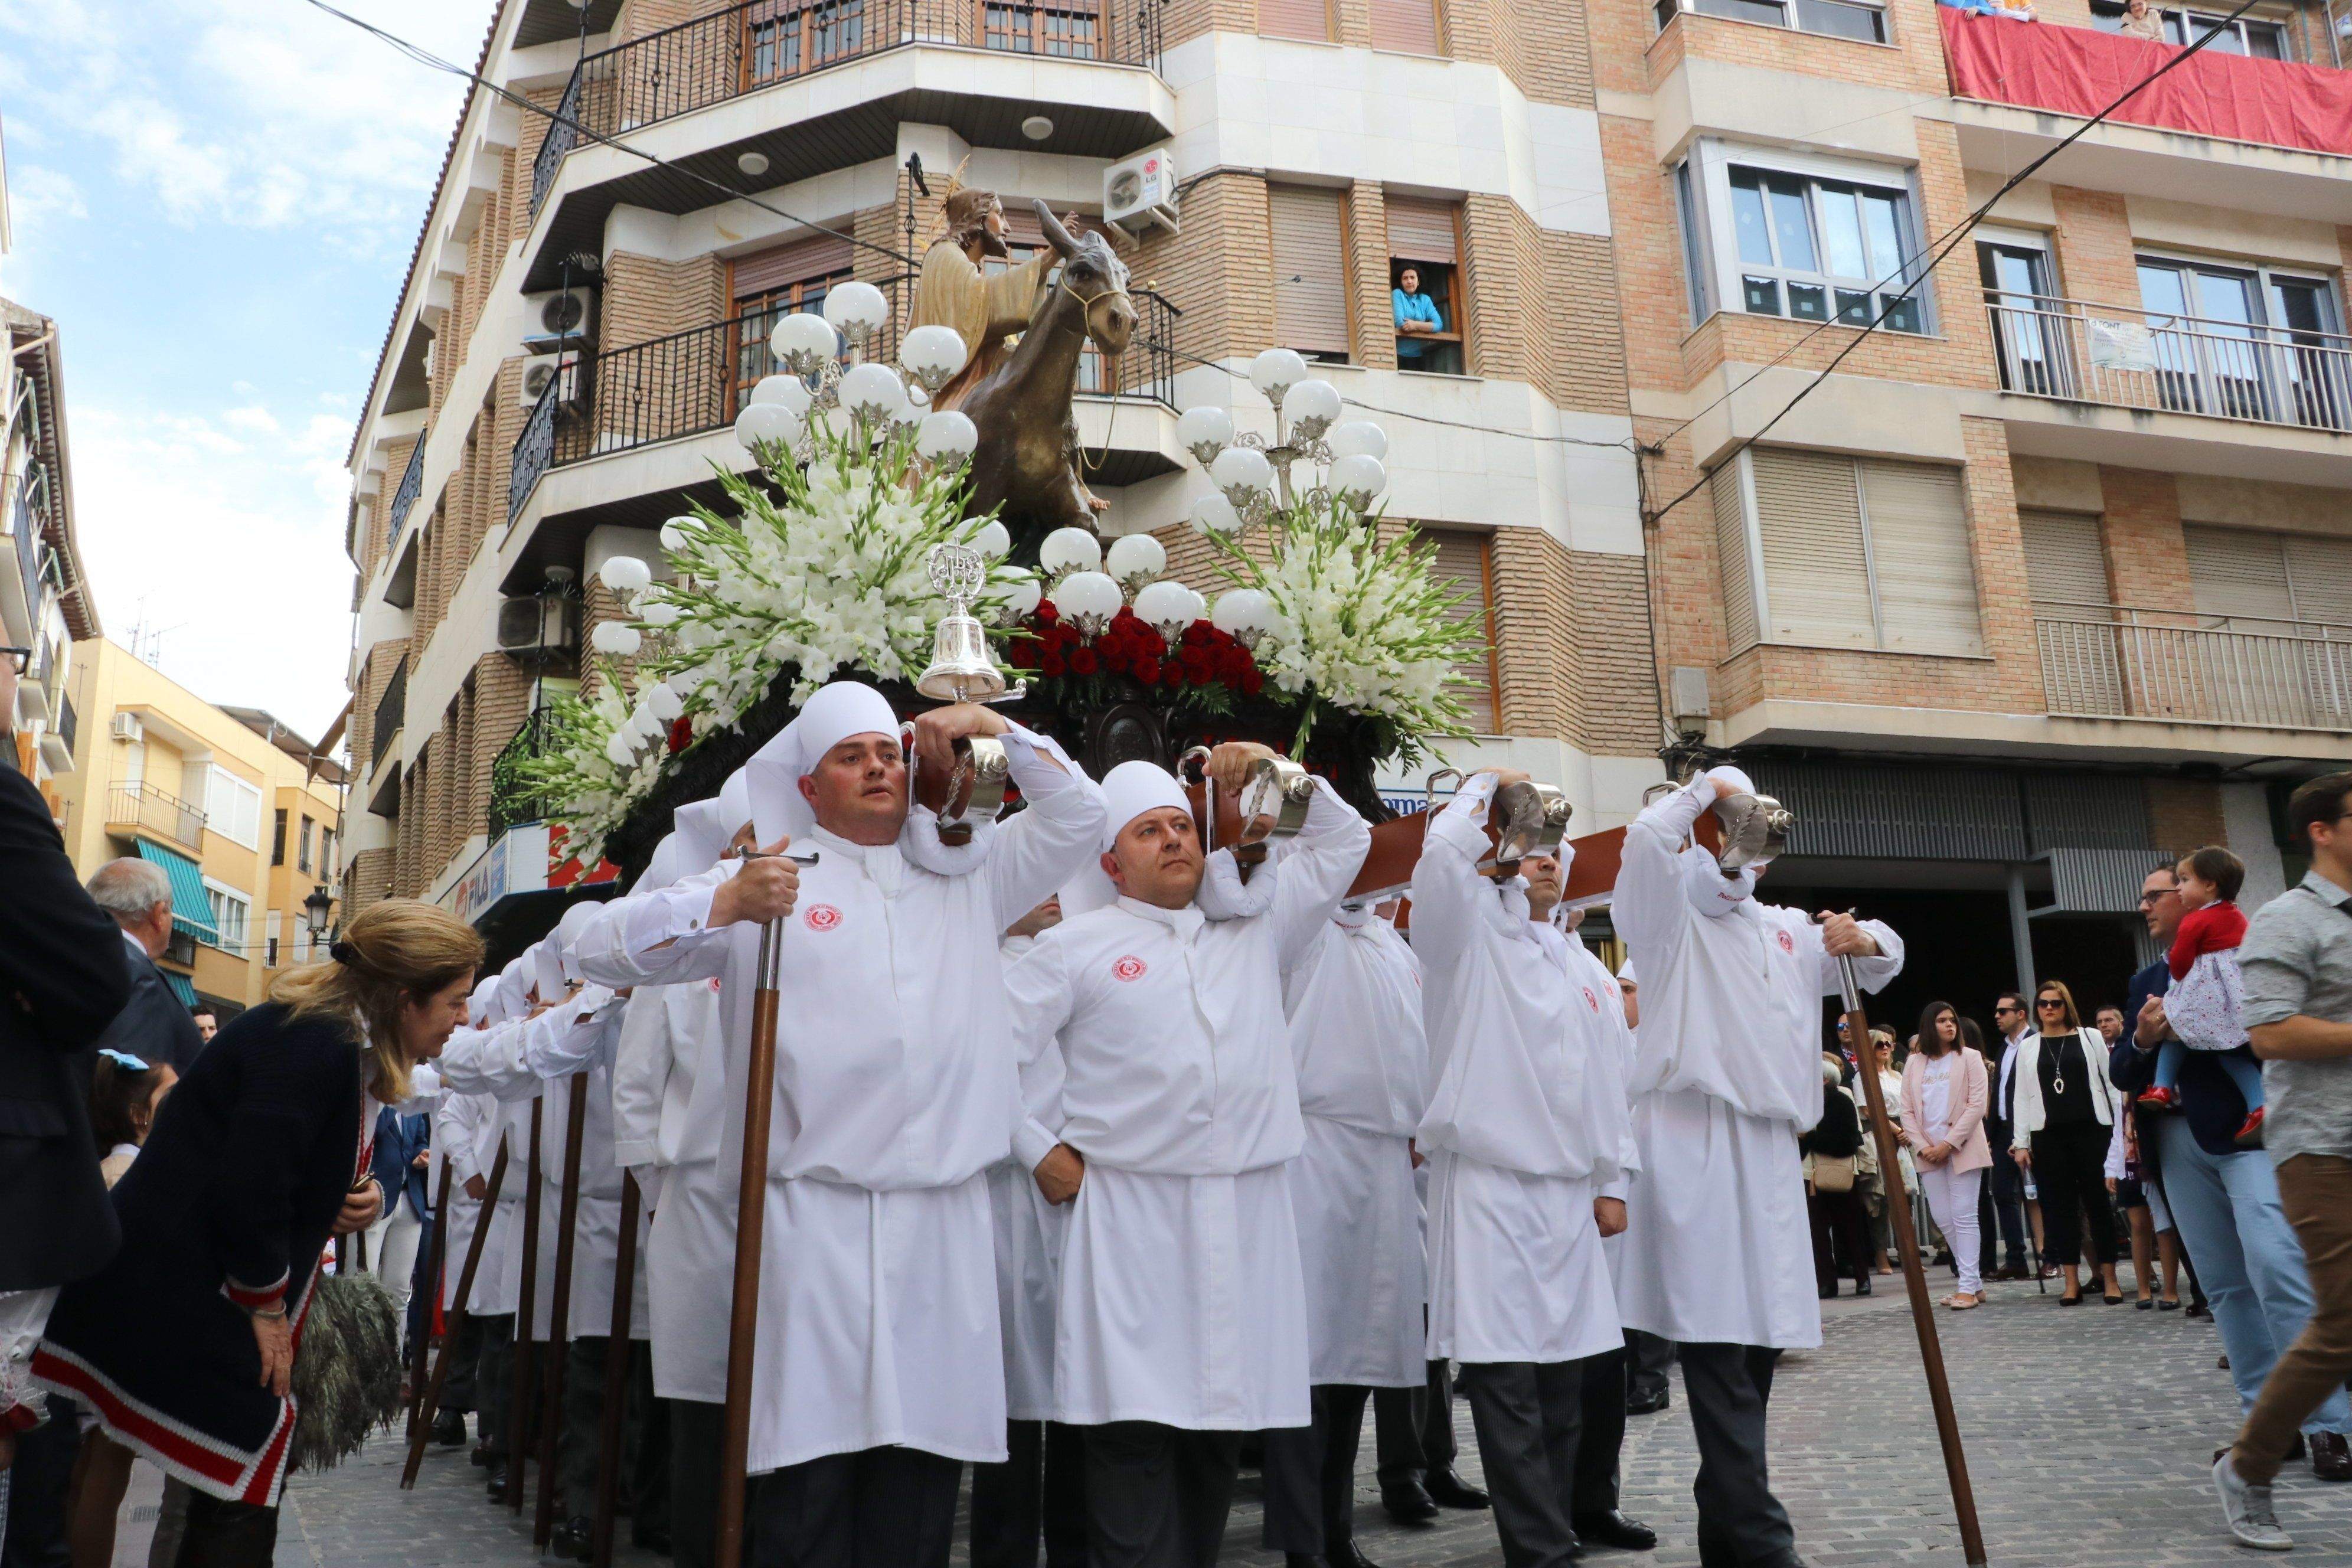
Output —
(232, 546)
(39, 196)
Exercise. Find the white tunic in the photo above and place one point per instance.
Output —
(1354, 1004)
(1030, 1233)
(1727, 1073)
(462, 1124)
(670, 1110)
(896, 1090)
(1526, 1119)
(1182, 1302)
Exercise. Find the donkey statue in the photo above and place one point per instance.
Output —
(1028, 460)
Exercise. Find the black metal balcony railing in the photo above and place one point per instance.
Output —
(24, 528)
(68, 725)
(757, 44)
(135, 805)
(695, 381)
(389, 711)
(513, 801)
(403, 500)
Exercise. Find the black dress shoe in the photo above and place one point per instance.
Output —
(1408, 1501)
(1862, 1286)
(481, 1453)
(1826, 1292)
(498, 1488)
(1648, 1403)
(2331, 1457)
(1613, 1528)
(449, 1428)
(1451, 1491)
(1349, 1556)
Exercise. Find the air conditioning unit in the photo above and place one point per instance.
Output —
(1141, 191)
(126, 727)
(541, 369)
(539, 627)
(563, 316)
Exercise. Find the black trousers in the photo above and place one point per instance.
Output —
(1651, 1356)
(494, 1382)
(695, 1431)
(1414, 1427)
(227, 1534)
(1740, 1523)
(1310, 1474)
(1527, 1417)
(1157, 1496)
(1840, 1223)
(464, 1363)
(2000, 1209)
(2069, 1169)
(1037, 1496)
(1603, 1384)
(878, 1508)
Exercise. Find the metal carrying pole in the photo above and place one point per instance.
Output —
(526, 1314)
(559, 1311)
(616, 1380)
(1914, 1279)
(433, 1260)
(759, 1094)
(431, 1404)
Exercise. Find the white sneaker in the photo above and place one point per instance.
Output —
(2248, 1509)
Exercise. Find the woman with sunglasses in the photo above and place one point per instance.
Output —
(2064, 1115)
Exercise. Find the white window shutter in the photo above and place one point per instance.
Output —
(2319, 570)
(1919, 551)
(1460, 562)
(2240, 576)
(1739, 623)
(1816, 578)
(2065, 567)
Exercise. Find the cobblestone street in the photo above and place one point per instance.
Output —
(2089, 1433)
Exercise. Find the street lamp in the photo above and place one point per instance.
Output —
(1252, 475)
(319, 909)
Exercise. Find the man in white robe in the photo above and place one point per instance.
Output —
(1647, 1389)
(1727, 1073)
(1593, 1497)
(1526, 1135)
(1356, 1041)
(670, 1108)
(879, 1370)
(458, 1122)
(1037, 1496)
(1182, 1323)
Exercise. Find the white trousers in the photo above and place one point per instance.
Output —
(1952, 1201)
(392, 1252)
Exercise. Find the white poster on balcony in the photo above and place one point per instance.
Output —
(2119, 345)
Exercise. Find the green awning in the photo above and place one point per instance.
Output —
(192, 906)
(180, 987)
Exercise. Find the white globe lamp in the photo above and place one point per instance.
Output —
(1068, 550)
(856, 310)
(1136, 559)
(1275, 372)
(1212, 513)
(1087, 600)
(1312, 406)
(946, 435)
(1204, 431)
(872, 393)
(763, 423)
(1243, 473)
(803, 342)
(1359, 480)
(1358, 438)
(932, 355)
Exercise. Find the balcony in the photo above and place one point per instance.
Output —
(746, 48)
(401, 587)
(136, 809)
(2109, 662)
(694, 384)
(390, 708)
(2125, 357)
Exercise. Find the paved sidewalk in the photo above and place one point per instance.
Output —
(2089, 1434)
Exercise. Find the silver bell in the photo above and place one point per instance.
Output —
(961, 669)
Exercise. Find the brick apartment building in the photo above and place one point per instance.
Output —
(2052, 576)
(2054, 573)
(578, 323)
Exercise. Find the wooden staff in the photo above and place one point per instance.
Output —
(559, 1313)
(526, 1311)
(1915, 1275)
(433, 1260)
(431, 1403)
(751, 1218)
(616, 1380)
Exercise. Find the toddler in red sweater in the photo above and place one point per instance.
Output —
(2204, 1003)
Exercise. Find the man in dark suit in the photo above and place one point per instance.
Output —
(62, 975)
(154, 1026)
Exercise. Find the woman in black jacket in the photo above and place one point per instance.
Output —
(183, 1345)
(1833, 1198)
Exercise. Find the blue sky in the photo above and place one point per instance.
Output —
(216, 203)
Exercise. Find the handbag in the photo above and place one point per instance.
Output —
(1833, 1173)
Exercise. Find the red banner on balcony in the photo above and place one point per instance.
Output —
(2079, 71)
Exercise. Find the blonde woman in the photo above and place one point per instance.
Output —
(2063, 1111)
(182, 1346)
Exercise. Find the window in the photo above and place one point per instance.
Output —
(2247, 343)
(773, 283)
(327, 867)
(1308, 19)
(274, 926)
(1424, 291)
(1835, 18)
(2248, 580)
(1810, 238)
(1463, 562)
(277, 841)
(1310, 271)
(1065, 29)
(2030, 324)
(1407, 27)
(232, 807)
(785, 37)
(303, 862)
(230, 913)
(1837, 551)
